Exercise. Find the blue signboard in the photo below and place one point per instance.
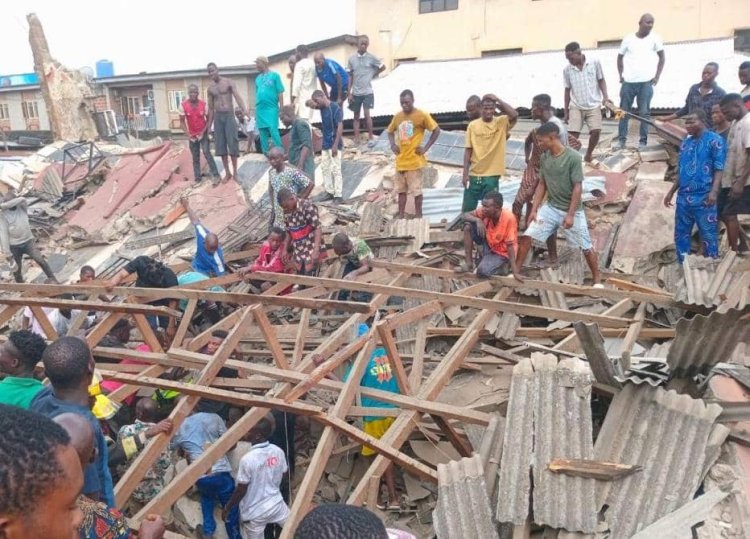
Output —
(22, 79)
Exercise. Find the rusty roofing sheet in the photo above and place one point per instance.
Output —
(463, 507)
(710, 282)
(704, 341)
(667, 434)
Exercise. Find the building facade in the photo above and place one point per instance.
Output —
(408, 30)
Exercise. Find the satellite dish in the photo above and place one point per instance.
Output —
(87, 72)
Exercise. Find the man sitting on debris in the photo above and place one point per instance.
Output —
(332, 125)
(20, 239)
(19, 356)
(199, 430)
(734, 197)
(258, 483)
(269, 258)
(495, 233)
(209, 256)
(304, 234)
(561, 177)
(701, 165)
(484, 158)
(193, 121)
(283, 176)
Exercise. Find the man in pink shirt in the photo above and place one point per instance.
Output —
(193, 121)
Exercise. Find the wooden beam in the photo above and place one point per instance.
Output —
(412, 315)
(417, 362)
(593, 469)
(78, 321)
(571, 342)
(462, 446)
(632, 335)
(104, 326)
(272, 340)
(74, 304)
(184, 326)
(299, 340)
(622, 284)
(389, 343)
(41, 318)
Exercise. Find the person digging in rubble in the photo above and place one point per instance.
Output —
(495, 233)
(410, 125)
(332, 126)
(561, 178)
(377, 375)
(259, 478)
(209, 256)
(283, 176)
(269, 260)
(356, 255)
(484, 157)
(734, 197)
(302, 246)
(701, 165)
(18, 237)
(193, 121)
(19, 356)
(221, 93)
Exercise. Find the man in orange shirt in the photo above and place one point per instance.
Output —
(495, 231)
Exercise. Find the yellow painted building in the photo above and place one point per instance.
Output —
(406, 30)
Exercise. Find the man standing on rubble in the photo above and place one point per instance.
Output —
(332, 74)
(193, 121)
(561, 176)
(221, 115)
(702, 157)
(744, 75)
(209, 256)
(702, 96)
(362, 68)
(635, 64)
(305, 82)
(20, 239)
(734, 197)
(484, 158)
(332, 123)
(269, 98)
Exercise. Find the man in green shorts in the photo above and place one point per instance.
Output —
(484, 158)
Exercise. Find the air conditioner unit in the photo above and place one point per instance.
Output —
(150, 94)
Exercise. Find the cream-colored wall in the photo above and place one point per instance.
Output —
(13, 99)
(397, 30)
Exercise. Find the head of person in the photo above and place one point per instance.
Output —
(474, 107)
(744, 72)
(262, 430)
(540, 104)
(695, 122)
(548, 135)
(645, 24)
(217, 338)
(709, 74)
(213, 72)
(147, 410)
(287, 115)
(193, 92)
(87, 274)
(319, 99)
(342, 245)
(20, 354)
(573, 53)
(81, 436)
(362, 44)
(276, 237)
(276, 158)
(302, 51)
(339, 521)
(319, 59)
(407, 101)
(40, 478)
(287, 200)
(492, 204)
(211, 243)
(121, 331)
(489, 106)
(68, 364)
(261, 64)
(732, 107)
(717, 117)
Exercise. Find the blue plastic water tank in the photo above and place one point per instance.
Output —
(105, 68)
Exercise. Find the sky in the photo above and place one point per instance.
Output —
(163, 36)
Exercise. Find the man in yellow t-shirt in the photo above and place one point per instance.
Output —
(410, 124)
(484, 158)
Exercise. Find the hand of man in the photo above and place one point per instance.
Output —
(481, 230)
(712, 198)
(465, 180)
(655, 81)
(315, 259)
(152, 527)
(350, 276)
(517, 275)
(162, 427)
(395, 148)
(334, 152)
(285, 258)
(109, 285)
(419, 150)
(171, 331)
(668, 199)
(736, 191)
(566, 116)
(531, 217)
(568, 221)
(224, 515)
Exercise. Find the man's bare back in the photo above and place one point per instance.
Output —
(220, 95)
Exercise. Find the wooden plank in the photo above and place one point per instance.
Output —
(79, 305)
(544, 333)
(520, 309)
(482, 287)
(78, 321)
(510, 357)
(412, 315)
(269, 332)
(41, 318)
(8, 312)
(123, 392)
(461, 444)
(184, 326)
(201, 340)
(571, 343)
(389, 343)
(593, 469)
(299, 340)
(622, 284)
(417, 362)
(632, 336)
(104, 326)
(147, 332)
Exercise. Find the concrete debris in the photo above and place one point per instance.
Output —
(651, 172)
(680, 523)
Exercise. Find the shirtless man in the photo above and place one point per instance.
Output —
(221, 113)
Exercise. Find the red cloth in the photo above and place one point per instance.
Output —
(108, 386)
(268, 260)
(195, 116)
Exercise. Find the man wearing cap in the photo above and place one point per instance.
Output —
(269, 98)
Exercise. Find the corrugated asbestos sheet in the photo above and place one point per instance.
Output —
(667, 434)
(711, 282)
(491, 451)
(463, 507)
(550, 298)
(605, 370)
(549, 416)
(704, 341)
(678, 524)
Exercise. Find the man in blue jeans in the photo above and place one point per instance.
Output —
(635, 64)
(199, 430)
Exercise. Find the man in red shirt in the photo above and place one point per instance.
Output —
(495, 232)
(193, 122)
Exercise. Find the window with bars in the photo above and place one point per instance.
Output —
(434, 6)
(176, 97)
(4, 112)
(30, 110)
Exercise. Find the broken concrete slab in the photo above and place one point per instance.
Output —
(651, 172)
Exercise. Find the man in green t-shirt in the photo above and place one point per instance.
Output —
(18, 357)
(561, 180)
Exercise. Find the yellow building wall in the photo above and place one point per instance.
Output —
(397, 30)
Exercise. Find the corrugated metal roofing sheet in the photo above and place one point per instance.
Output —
(704, 341)
(709, 282)
(463, 507)
(667, 434)
(443, 86)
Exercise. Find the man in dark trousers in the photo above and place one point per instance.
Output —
(221, 114)
(193, 121)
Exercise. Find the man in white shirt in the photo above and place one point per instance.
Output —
(304, 83)
(635, 64)
(258, 480)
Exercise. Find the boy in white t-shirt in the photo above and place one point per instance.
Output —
(258, 479)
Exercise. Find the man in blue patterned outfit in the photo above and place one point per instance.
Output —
(701, 165)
